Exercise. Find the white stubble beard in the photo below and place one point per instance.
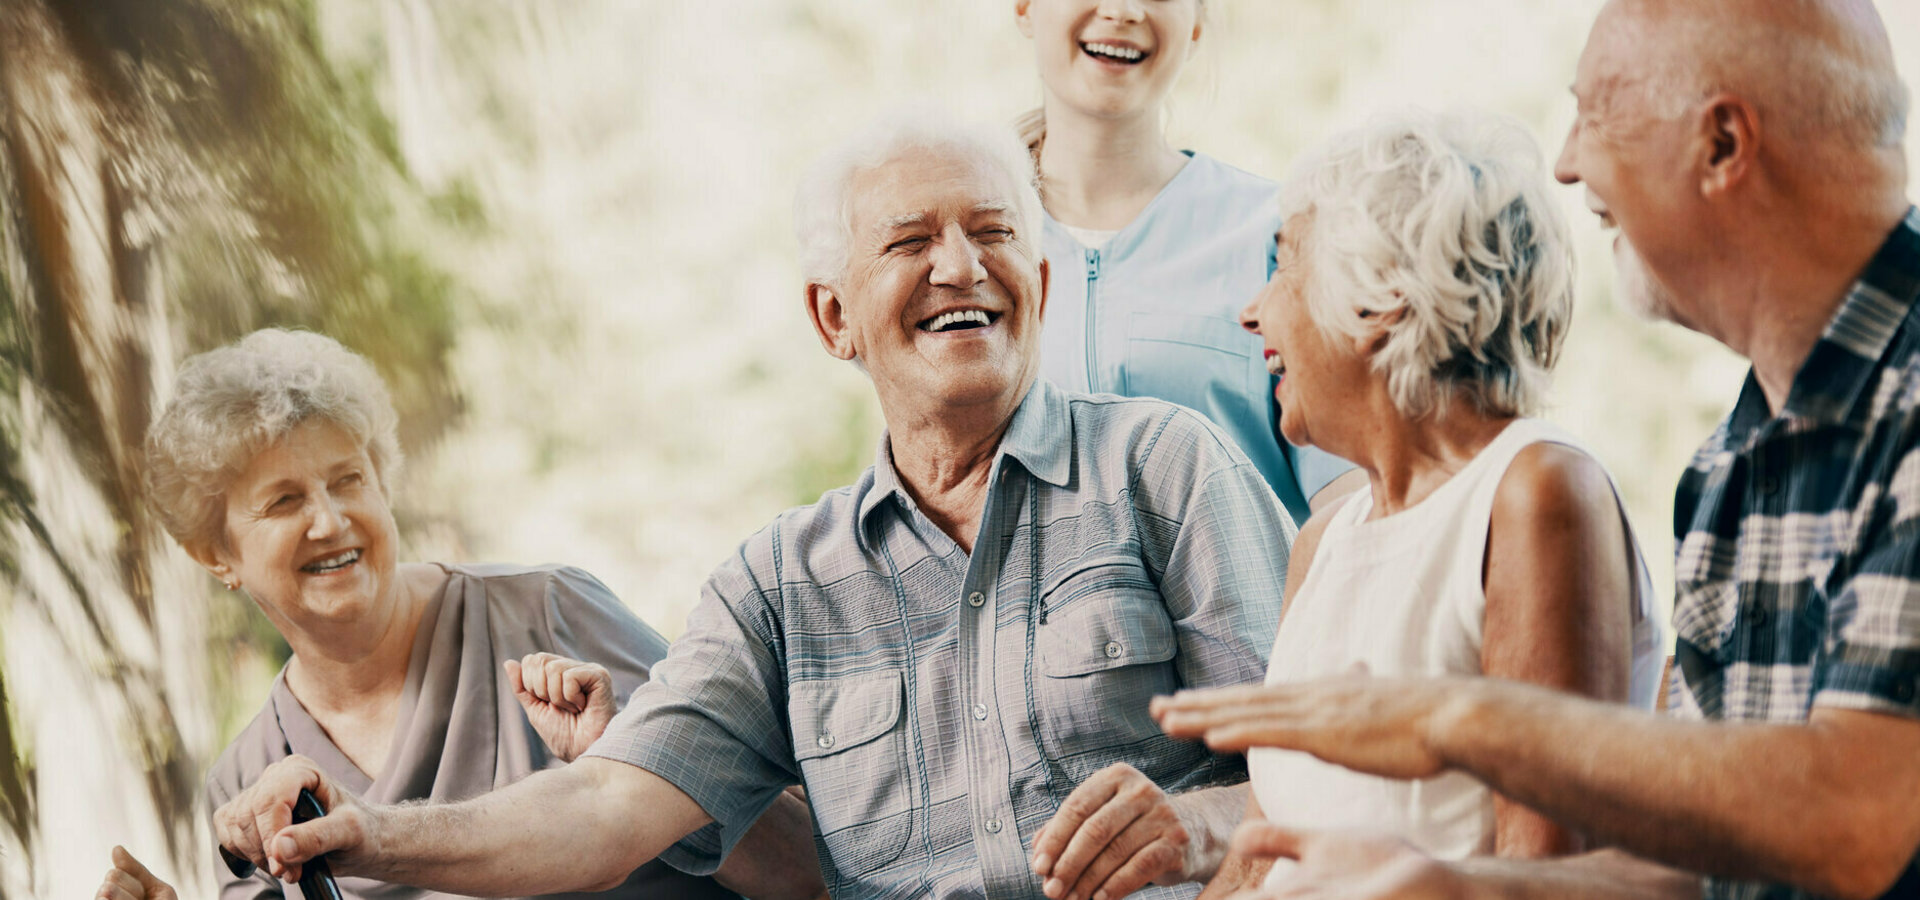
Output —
(1636, 288)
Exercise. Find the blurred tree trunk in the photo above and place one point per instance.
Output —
(171, 171)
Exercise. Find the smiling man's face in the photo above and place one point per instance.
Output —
(943, 291)
(1634, 165)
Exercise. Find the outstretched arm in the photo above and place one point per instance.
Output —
(1826, 805)
(567, 829)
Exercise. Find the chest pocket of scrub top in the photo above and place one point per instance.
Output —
(851, 746)
(1106, 649)
(1206, 363)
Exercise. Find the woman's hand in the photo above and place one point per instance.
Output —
(1350, 866)
(257, 824)
(568, 701)
(129, 880)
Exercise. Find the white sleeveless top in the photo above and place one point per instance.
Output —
(1403, 597)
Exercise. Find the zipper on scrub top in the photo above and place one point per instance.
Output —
(1093, 353)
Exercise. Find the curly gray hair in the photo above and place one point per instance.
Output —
(235, 401)
(1444, 218)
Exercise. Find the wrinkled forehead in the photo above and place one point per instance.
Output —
(1621, 49)
(928, 184)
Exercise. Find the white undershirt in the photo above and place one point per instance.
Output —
(1090, 238)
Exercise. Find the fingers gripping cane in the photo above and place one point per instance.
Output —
(316, 880)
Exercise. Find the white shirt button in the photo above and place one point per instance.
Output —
(825, 742)
(980, 711)
(1113, 649)
(976, 598)
(993, 826)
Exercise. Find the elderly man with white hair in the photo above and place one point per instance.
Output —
(940, 653)
(1749, 152)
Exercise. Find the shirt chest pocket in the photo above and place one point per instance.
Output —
(849, 738)
(1203, 362)
(1106, 649)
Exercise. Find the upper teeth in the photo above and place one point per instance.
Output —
(957, 316)
(1275, 366)
(1115, 51)
(334, 562)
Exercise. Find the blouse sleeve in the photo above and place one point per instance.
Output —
(587, 622)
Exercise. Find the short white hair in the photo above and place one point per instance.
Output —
(1447, 219)
(823, 205)
(235, 401)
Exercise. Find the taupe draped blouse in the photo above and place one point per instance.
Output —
(459, 731)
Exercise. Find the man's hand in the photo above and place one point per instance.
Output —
(257, 825)
(1346, 866)
(129, 880)
(1116, 833)
(569, 702)
(1374, 725)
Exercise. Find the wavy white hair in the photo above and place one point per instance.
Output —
(235, 401)
(1446, 218)
(823, 205)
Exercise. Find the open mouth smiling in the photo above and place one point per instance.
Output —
(959, 320)
(332, 564)
(1111, 52)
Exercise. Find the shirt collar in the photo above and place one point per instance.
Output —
(1039, 438)
(1842, 363)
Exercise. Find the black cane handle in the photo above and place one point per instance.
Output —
(316, 880)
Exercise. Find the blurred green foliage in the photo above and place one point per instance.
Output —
(248, 181)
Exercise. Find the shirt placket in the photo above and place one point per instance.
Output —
(996, 835)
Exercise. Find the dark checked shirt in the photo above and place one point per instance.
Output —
(1798, 561)
(939, 707)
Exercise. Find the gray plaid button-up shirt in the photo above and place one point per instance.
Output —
(1798, 535)
(937, 706)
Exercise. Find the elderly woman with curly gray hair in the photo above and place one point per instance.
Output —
(1423, 292)
(274, 466)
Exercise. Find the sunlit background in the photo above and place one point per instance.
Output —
(561, 229)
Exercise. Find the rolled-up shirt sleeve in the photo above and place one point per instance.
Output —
(712, 719)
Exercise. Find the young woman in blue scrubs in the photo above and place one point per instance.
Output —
(1154, 251)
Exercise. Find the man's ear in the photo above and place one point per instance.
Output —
(1379, 327)
(1046, 284)
(829, 321)
(1022, 16)
(1729, 143)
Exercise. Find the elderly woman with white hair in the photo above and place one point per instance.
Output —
(273, 466)
(1423, 292)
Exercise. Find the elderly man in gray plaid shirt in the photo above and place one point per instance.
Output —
(1749, 152)
(954, 656)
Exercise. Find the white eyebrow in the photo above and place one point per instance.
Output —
(903, 221)
(998, 206)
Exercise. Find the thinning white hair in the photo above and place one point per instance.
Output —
(1447, 219)
(823, 205)
(1818, 85)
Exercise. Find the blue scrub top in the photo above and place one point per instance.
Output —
(1156, 313)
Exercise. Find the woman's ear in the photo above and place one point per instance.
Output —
(210, 558)
(1377, 327)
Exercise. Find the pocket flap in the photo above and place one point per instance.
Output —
(833, 715)
(1124, 626)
